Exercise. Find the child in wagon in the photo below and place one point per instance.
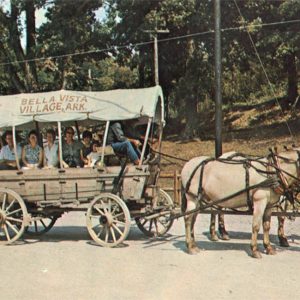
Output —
(94, 156)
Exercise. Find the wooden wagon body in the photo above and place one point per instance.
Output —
(112, 195)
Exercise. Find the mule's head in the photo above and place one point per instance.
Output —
(288, 162)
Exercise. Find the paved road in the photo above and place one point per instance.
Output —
(64, 264)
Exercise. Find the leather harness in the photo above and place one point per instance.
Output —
(278, 183)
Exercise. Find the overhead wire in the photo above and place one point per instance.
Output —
(263, 68)
(136, 45)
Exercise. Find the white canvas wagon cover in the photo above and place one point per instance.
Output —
(65, 105)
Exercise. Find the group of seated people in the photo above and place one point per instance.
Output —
(32, 155)
(75, 154)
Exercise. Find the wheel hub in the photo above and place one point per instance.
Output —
(103, 220)
(106, 220)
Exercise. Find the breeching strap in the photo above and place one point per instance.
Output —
(269, 182)
(247, 179)
(202, 163)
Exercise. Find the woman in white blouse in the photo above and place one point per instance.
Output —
(50, 150)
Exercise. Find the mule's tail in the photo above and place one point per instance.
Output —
(183, 200)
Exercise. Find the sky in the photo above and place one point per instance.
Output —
(40, 16)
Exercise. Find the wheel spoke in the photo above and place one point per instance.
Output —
(156, 227)
(43, 224)
(117, 228)
(6, 232)
(100, 231)
(106, 234)
(119, 215)
(119, 222)
(114, 209)
(113, 234)
(150, 226)
(161, 223)
(11, 226)
(35, 226)
(145, 221)
(14, 212)
(109, 206)
(4, 201)
(14, 219)
(10, 205)
(99, 211)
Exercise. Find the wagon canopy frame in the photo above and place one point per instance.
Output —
(67, 105)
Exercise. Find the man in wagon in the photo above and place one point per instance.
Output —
(7, 153)
(121, 144)
(71, 150)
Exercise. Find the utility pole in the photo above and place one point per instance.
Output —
(153, 33)
(218, 78)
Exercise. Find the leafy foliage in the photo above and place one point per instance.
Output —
(186, 58)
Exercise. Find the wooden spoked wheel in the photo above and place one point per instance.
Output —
(40, 225)
(160, 225)
(108, 220)
(13, 216)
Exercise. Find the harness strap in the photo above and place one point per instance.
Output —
(283, 186)
(247, 180)
(298, 163)
(188, 184)
(269, 183)
(200, 189)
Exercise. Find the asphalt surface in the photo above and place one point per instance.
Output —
(65, 264)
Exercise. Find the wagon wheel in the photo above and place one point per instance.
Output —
(160, 225)
(13, 216)
(39, 226)
(108, 220)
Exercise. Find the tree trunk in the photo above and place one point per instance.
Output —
(292, 88)
(292, 91)
(141, 69)
(190, 130)
(31, 40)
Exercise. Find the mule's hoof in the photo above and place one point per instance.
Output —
(256, 254)
(214, 237)
(270, 251)
(224, 237)
(193, 251)
(283, 242)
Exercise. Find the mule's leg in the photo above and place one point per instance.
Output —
(222, 231)
(266, 226)
(283, 242)
(189, 221)
(259, 206)
(194, 245)
(212, 228)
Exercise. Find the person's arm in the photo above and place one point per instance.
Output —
(135, 142)
(25, 162)
(118, 132)
(1, 154)
(84, 159)
(44, 160)
(41, 157)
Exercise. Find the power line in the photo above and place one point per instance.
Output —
(130, 45)
(264, 70)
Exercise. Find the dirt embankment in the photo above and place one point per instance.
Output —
(249, 129)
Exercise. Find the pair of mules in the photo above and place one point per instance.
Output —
(207, 181)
